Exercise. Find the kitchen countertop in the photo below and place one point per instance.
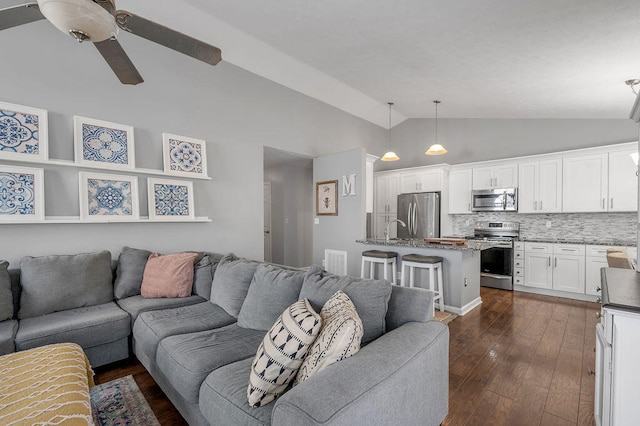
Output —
(621, 289)
(470, 246)
(603, 242)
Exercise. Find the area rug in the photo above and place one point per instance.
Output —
(120, 402)
(445, 317)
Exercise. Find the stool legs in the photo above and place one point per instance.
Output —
(435, 284)
(387, 263)
(440, 288)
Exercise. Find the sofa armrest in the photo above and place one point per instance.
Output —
(400, 378)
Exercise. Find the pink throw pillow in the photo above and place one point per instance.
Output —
(168, 276)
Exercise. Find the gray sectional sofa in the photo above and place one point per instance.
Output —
(199, 349)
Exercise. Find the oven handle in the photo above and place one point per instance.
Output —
(498, 277)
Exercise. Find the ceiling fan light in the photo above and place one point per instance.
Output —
(390, 156)
(79, 15)
(436, 149)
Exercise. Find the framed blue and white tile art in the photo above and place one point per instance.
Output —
(21, 194)
(170, 199)
(23, 133)
(103, 144)
(184, 156)
(108, 197)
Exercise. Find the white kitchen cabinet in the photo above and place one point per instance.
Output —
(495, 175)
(540, 186)
(421, 180)
(460, 191)
(569, 268)
(585, 183)
(538, 271)
(386, 193)
(623, 182)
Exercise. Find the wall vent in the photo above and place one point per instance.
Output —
(335, 261)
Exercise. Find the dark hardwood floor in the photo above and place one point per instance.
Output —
(518, 359)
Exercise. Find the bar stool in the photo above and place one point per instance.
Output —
(433, 264)
(386, 258)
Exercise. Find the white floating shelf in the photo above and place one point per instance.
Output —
(76, 219)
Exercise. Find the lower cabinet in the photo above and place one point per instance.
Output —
(537, 260)
(555, 266)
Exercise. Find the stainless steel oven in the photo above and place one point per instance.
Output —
(491, 200)
(496, 255)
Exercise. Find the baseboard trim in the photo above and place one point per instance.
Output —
(466, 308)
(556, 293)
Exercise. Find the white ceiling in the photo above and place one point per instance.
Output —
(482, 59)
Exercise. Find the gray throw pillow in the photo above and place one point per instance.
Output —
(272, 289)
(6, 297)
(231, 282)
(131, 263)
(203, 277)
(370, 297)
(58, 283)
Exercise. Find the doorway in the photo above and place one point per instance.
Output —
(290, 179)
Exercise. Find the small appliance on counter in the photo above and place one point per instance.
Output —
(494, 200)
(421, 213)
(496, 252)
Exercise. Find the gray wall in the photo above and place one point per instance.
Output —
(236, 112)
(470, 140)
(341, 232)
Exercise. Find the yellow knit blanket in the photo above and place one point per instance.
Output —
(46, 386)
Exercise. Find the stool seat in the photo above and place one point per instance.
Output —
(418, 258)
(380, 254)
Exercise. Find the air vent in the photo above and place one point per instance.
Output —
(335, 261)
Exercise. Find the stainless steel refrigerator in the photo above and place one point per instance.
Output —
(421, 212)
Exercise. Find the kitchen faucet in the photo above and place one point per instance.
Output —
(386, 232)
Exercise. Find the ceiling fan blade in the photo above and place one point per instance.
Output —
(116, 57)
(168, 37)
(19, 15)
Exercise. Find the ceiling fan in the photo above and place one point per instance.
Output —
(98, 21)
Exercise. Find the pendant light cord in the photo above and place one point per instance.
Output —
(389, 130)
(436, 102)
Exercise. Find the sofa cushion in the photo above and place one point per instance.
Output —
(231, 282)
(203, 276)
(131, 263)
(223, 397)
(281, 353)
(87, 326)
(170, 275)
(153, 326)
(272, 289)
(370, 297)
(186, 359)
(135, 305)
(8, 331)
(339, 337)
(6, 297)
(58, 283)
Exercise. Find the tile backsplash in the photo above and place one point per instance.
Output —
(587, 226)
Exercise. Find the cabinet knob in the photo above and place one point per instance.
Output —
(598, 299)
(590, 372)
(598, 315)
(598, 289)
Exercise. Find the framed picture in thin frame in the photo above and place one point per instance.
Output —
(327, 198)
(170, 199)
(106, 197)
(24, 134)
(103, 144)
(184, 156)
(21, 194)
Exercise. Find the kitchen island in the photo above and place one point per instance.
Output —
(460, 273)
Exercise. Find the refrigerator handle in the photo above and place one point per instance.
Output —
(415, 219)
(409, 220)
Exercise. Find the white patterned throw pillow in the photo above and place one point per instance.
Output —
(339, 337)
(281, 352)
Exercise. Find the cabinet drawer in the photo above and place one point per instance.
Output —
(518, 272)
(518, 263)
(518, 254)
(538, 247)
(518, 280)
(572, 249)
(518, 245)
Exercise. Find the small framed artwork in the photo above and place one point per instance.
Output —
(326, 198)
(108, 197)
(102, 144)
(170, 199)
(184, 156)
(23, 133)
(21, 194)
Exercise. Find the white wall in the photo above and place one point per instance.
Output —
(236, 112)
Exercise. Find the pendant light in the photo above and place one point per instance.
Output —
(389, 155)
(436, 148)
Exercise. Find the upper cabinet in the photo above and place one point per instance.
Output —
(421, 180)
(387, 188)
(540, 186)
(623, 182)
(584, 183)
(460, 191)
(495, 175)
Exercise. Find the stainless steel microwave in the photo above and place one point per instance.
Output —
(494, 200)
